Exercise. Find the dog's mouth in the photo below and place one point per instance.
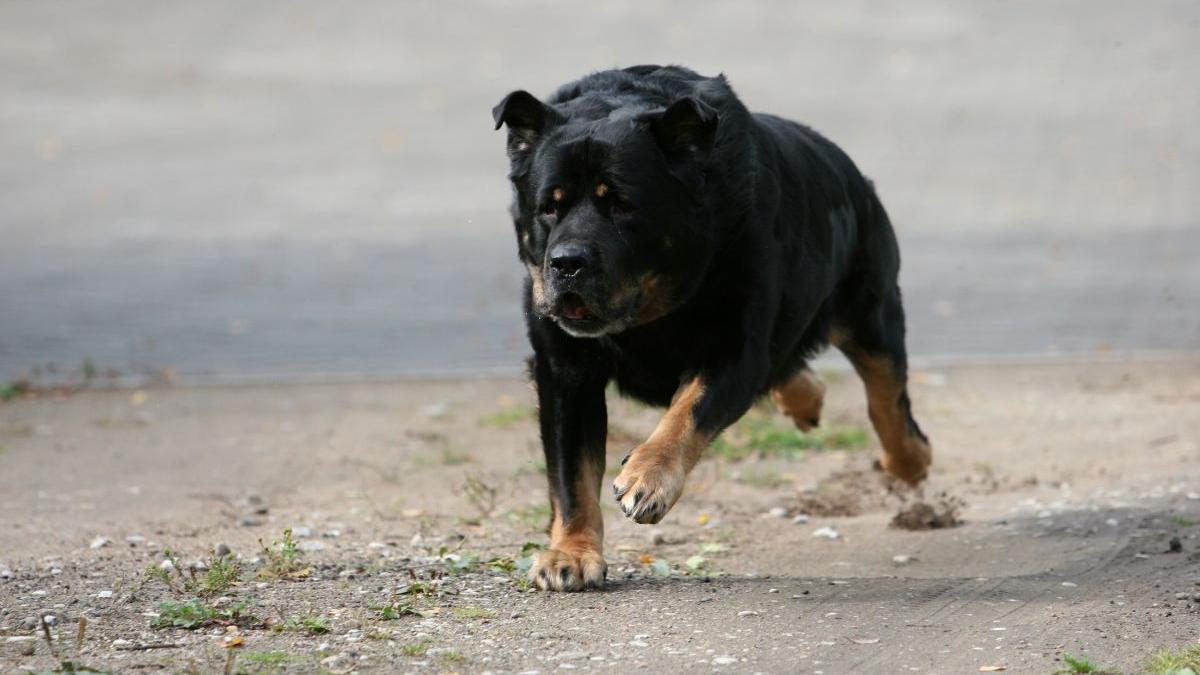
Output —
(582, 319)
(573, 308)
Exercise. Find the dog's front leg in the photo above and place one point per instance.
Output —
(654, 473)
(573, 419)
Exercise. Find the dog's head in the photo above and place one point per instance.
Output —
(606, 203)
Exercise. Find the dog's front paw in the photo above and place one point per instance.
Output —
(555, 570)
(649, 485)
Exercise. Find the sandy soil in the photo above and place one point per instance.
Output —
(1074, 481)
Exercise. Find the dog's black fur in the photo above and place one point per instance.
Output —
(672, 236)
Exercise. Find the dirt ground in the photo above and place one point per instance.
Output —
(1078, 486)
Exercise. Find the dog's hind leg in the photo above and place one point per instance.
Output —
(801, 398)
(874, 343)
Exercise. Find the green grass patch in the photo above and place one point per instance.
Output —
(1179, 662)
(1081, 664)
(472, 613)
(13, 390)
(762, 479)
(415, 649)
(312, 625)
(533, 517)
(1182, 521)
(508, 417)
(193, 614)
(762, 435)
(283, 559)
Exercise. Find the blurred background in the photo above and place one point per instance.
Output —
(276, 191)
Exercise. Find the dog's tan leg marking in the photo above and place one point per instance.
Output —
(655, 471)
(906, 455)
(575, 559)
(801, 398)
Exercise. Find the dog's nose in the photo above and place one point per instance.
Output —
(568, 260)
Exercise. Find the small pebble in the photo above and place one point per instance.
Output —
(310, 546)
(724, 660)
(29, 623)
(302, 531)
(166, 565)
(250, 521)
(772, 590)
(99, 542)
(135, 539)
(121, 644)
(777, 512)
(800, 519)
(827, 533)
(104, 594)
(1175, 546)
(221, 550)
(747, 612)
(902, 559)
(50, 620)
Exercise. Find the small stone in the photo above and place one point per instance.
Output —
(800, 519)
(26, 648)
(55, 571)
(323, 647)
(135, 539)
(902, 559)
(747, 612)
(353, 635)
(1069, 584)
(724, 660)
(5, 571)
(827, 533)
(1175, 545)
(104, 594)
(250, 521)
(221, 550)
(38, 593)
(310, 546)
(121, 644)
(166, 565)
(50, 620)
(29, 623)
(1181, 596)
(377, 545)
(302, 532)
(331, 534)
(99, 542)
(336, 662)
(777, 512)
(772, 590)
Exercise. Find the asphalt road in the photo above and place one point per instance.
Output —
(284, 190)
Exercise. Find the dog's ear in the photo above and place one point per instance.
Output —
(687, 127)
(524, 114)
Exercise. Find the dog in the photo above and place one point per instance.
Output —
(697, 255)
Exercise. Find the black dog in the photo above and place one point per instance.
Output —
(697, 254)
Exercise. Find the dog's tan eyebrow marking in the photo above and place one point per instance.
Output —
(601, 190)
(557, 194)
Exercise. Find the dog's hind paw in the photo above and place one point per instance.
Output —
(647, 487)
(555, 570)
